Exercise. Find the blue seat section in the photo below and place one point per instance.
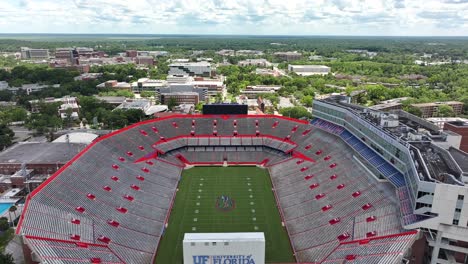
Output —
(384, 167)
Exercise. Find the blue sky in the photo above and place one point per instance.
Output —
(255, 17)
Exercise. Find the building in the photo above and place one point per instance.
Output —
(387, 106)
(145, 60)
(114, 84)
(34, 54)
(28, 88)
(142, 104)
(235, 247)
(65, 54)
(131, 53)
(180, 98)
(253, 91)
(255, 62)
(226, 52)
(261, 71)
(440, 121)
(146, 84)
(461, 128)
(44, 158)
(431, 183)
(288, 55)
(112, 100)
(255, 105)
(306, 70)
(213, 86)
(82, 68)
(88, 76)
(249, 52)
(203, 94)
(432, 109)
(69, 108)
(67, 102)
(179, 78)
(203, 69)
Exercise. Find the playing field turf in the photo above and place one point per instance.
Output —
(254, 210)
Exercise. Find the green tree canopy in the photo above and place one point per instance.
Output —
(446, 111)
(295, 112)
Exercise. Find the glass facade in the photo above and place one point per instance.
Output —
(389, 147)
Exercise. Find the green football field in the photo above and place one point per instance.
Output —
(231, 199)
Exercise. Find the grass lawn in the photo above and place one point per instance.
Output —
(195, 210)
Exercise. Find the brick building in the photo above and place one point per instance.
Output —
(432, 109)
(460, 128)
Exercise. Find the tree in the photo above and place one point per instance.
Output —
(147, 94)
(6, 258)
(445, 111)
(6, 95)
(172, 102)
(6, 136)
(414, 110)
(307, 100)
(295, 112)
(4, 225)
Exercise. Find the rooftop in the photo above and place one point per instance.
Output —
(200, 63)
(39, 152)
(460, 157)
(437, 103)
(77, 137)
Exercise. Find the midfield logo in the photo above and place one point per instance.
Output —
(225, 203)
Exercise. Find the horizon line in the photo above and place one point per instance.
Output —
(249, 35)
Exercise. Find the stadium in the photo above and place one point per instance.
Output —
(314, 188)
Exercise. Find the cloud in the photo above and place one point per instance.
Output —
(318, 17)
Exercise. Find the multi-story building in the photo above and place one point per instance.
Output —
(432, 109)
(430, 184)
(461, 128)
(179, 78)
(180, 98)
(388, 105)
(306, 70)
(67, 102)
(288, 55)
(145, 60)
(253, 91)
(212, 86)
(255, 62)
(249, 52)
(182, 88)
(34, 54)
(131, 53)
(145, 84)
(203, 69)
(65, 54)
(114, 84)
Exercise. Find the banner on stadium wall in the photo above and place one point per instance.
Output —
(224, 259)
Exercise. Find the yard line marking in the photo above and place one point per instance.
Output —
(195, 219)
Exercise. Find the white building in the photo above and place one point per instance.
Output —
(218, 248)
(146, 84)
(255, 62)
(191, 69)
(307, 70)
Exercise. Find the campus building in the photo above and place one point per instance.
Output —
(203, 69)
(432, 109)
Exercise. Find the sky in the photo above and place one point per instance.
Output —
(244, 17)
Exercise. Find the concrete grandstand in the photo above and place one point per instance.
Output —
(111, 203)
